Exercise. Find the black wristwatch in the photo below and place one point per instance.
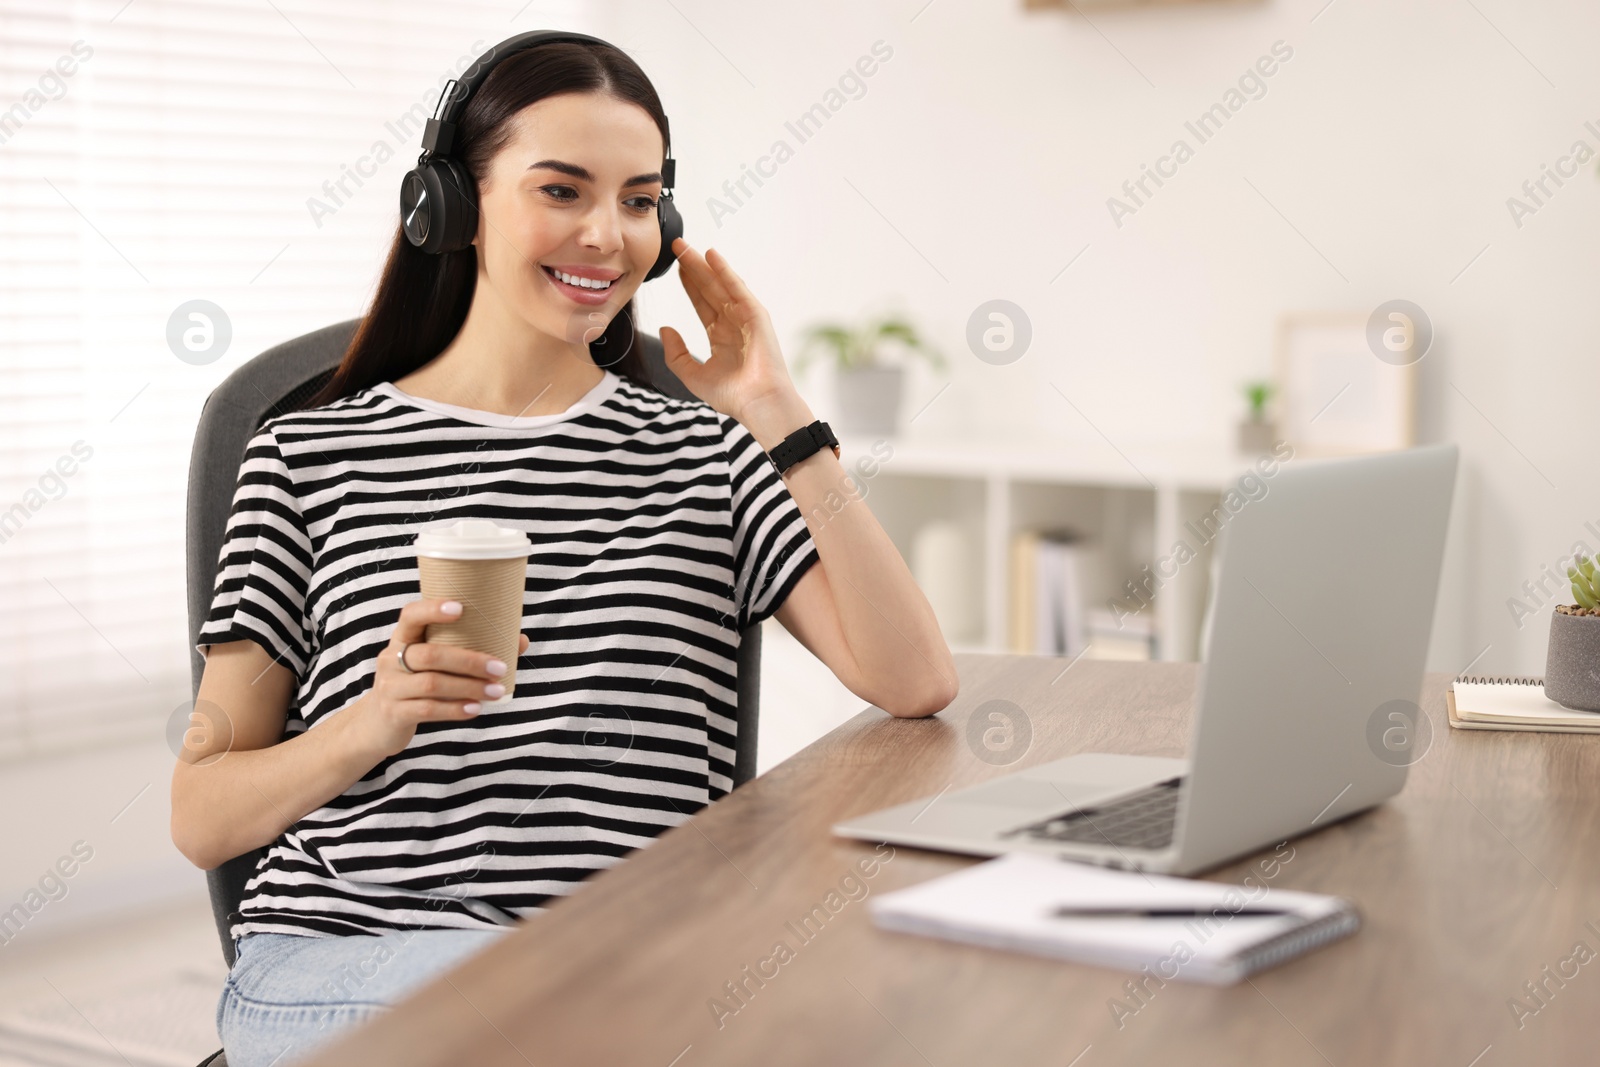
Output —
(803, 442)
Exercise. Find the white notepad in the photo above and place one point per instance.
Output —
(1513, 703)
(1009, 903)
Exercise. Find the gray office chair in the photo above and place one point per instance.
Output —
(274, 382)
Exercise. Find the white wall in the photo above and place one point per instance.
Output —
(984, 150)
(110, 804)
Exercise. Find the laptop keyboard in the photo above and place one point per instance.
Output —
(1144, 819)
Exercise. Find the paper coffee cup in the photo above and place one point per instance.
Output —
(485, 567)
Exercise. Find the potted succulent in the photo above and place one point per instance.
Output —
(869, 387)
(1257, 434)
(1572, 662)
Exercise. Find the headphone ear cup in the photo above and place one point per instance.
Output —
(671, 229)
(439, 210)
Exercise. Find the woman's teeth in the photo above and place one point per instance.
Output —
(573, 279)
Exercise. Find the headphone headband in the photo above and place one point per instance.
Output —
(439, 133)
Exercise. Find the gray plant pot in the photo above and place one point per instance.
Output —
(1572, 663)
(869, 400)
(1256, 436)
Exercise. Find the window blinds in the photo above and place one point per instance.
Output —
(154, 153)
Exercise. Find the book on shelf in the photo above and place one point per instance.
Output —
(1126, 633)
(1054, 582)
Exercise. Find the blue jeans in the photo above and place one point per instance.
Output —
(288, 995)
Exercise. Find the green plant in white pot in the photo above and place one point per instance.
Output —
(870, 387)
(1572, 660)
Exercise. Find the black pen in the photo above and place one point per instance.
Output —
(1162, 913)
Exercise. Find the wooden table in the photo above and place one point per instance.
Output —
(1481, 874)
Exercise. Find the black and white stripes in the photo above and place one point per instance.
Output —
(660, 530)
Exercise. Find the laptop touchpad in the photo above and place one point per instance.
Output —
(1031, 793)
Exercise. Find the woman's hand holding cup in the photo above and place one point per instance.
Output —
(445, 684)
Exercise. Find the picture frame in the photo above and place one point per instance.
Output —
(1335, 396)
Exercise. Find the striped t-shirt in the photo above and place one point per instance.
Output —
(660, 530)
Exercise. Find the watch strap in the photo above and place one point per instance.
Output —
(805, 441)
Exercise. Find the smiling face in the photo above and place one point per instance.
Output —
(572, 193)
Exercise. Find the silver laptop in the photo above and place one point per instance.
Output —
(1318, 632)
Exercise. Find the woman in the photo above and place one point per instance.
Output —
(407, 826)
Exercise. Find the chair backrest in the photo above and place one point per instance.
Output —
(279, 380)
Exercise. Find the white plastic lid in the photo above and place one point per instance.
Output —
(473, 539)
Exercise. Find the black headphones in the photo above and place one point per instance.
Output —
(439, 199)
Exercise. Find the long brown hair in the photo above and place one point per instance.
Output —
(422, 299)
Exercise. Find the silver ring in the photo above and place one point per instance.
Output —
(402, 654)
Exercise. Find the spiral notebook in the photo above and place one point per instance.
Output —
(1514, 702)
(1179, 928)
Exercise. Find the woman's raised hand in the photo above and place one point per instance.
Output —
(447, 685)
(746, 366)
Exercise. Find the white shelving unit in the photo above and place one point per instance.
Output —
(1135, 505)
